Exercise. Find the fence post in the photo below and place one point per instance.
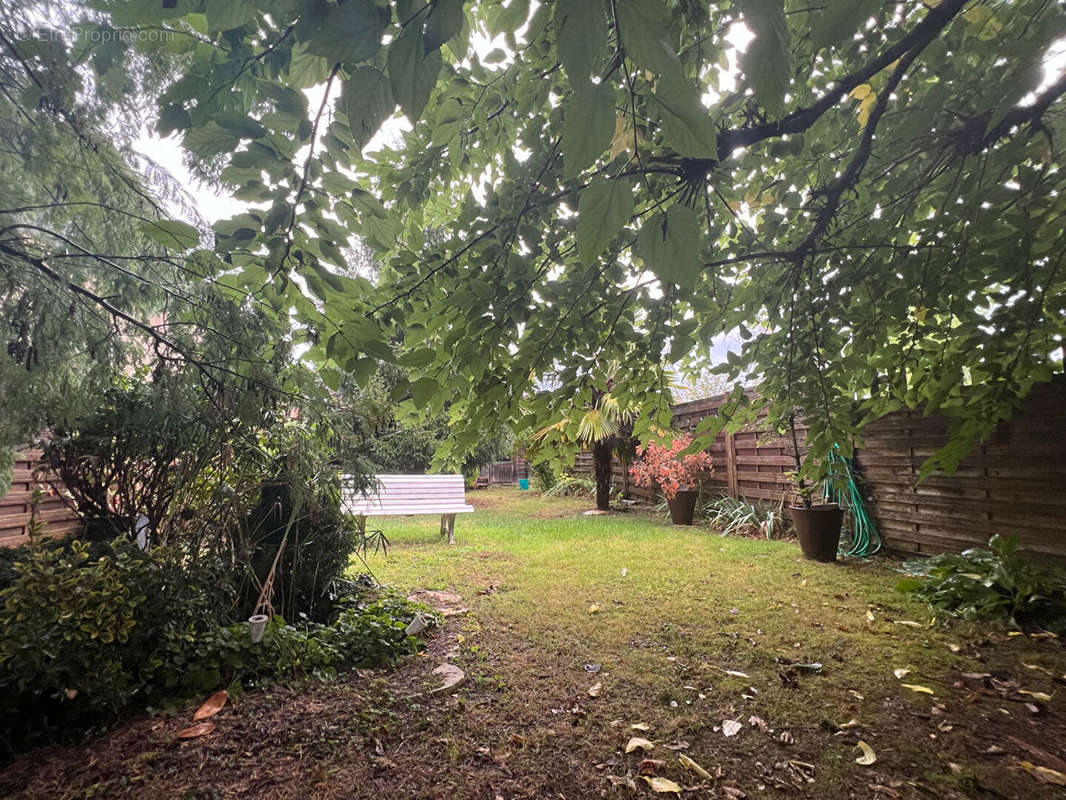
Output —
(731, 464)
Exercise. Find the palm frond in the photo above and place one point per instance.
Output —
(595, 426)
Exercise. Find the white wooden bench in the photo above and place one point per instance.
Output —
(404, 495)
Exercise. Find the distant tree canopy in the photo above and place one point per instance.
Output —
(870, 194)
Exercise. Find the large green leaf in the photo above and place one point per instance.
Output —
(766, 62)
(445, 21)
(839, 19)
(645, 36)
(171, 233)
(412, 72)
(587, 127)
(240, 124)
(668, 244)
(510, 18)
(687, 123)
(350, 32)
(367, 101)
(210, 139)
(580, 31)
(423, 391)
(223, 15)
(605, 206)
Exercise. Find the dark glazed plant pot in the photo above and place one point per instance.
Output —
(683, 506)
(818, 530)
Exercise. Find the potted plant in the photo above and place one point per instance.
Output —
(674, 474)
(817, 524)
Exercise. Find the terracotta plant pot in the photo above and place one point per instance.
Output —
(818, 530)
(683, 506)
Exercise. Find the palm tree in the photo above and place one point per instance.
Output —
(604, 429)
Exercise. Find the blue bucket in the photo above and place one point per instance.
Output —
(523, 484)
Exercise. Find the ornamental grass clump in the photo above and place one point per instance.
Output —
(665, 467)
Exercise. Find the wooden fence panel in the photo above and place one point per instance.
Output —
(505, 472)
(17, 505)
(1013, 483)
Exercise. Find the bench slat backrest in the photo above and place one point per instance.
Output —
(409, 494)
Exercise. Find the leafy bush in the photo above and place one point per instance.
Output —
(146, 449)
(735, 517)
(573, 486)
(664, 467)
(319, 543)
(986, 584)
(82, 638)
(544, 476)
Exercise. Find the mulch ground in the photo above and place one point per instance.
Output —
(525, 726)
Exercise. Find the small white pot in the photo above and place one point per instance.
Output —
(416, 626)
(257, 627)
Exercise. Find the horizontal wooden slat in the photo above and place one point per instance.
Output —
(408, 495)
(16, 506)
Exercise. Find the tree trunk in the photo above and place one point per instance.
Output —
(601, 454)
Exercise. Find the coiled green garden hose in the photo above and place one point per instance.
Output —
(840, 486)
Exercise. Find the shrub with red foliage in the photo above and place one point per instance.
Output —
(662, 466)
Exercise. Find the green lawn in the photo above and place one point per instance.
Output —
(667, 613)
(668, 610)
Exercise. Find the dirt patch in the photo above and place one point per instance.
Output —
(447, 604)
(524, 725)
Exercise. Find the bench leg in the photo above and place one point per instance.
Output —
(447, 527)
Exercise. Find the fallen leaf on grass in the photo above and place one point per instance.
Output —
(199, 729)
(594, 608)
(908, 622)
(640, 726)
(688, 763)
(1046, 774)
(1043, 697)
(900, 673)
(212, 705)
(916, 688)
(869, 616)
(663, 785)
(649, 766)
(954, 648)
(736, 673)
(868, 755)
(851, 723)
(731, 727)
(595, 689)
(804, 770)
(1038, 668)
(637, 743)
